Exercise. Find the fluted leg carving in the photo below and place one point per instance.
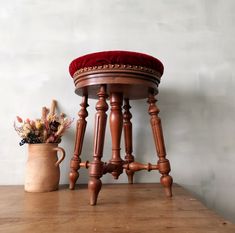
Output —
(116, 123)
(163, 163)
(80, 132)
(127, 126)
(96, 167)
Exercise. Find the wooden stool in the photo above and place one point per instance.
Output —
(117, 76)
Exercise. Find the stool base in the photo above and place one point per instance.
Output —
(118, 121)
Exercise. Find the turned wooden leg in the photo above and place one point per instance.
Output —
(127, 126)
(116, 123)
(80, 132)
(96, 166)
(163, 163)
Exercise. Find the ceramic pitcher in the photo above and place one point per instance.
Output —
(42, 169)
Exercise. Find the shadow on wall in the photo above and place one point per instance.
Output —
(199, 135)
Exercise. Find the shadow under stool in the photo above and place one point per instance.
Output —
(117, 76)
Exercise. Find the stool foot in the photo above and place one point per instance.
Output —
(74, 174)
(130, 176)
(166, 181)
(94, 187)
(80, 132)
(72, 185)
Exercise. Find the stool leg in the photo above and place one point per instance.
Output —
(97, 166)
(116, 123)
(127, 126)
(163, 163)
(80, 132)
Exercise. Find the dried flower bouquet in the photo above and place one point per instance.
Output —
(48, 129)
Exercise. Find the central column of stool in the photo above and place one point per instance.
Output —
(115, 165)
(116, 123)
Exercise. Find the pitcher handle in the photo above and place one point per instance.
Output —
(59, 149)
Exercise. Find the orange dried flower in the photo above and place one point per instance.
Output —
(19, 119)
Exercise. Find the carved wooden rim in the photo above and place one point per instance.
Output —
(117, 68)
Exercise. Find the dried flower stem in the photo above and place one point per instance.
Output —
(53, 106)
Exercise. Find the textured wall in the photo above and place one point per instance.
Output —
(193, 38)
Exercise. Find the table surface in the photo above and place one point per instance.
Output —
(121, 208)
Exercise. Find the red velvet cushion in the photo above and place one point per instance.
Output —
(116, 57)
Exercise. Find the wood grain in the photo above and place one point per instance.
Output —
(122, 208)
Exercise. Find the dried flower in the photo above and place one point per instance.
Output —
(19, 119)
(48, 129)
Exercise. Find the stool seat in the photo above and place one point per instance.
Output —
(116, 57)
(134, 73)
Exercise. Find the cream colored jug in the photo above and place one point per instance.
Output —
(42, 169)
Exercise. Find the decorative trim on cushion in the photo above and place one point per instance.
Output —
(116, 67)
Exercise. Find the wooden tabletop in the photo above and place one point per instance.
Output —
(122, 208)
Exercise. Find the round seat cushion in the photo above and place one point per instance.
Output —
(116, 57)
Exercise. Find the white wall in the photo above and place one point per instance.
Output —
(193, 38)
